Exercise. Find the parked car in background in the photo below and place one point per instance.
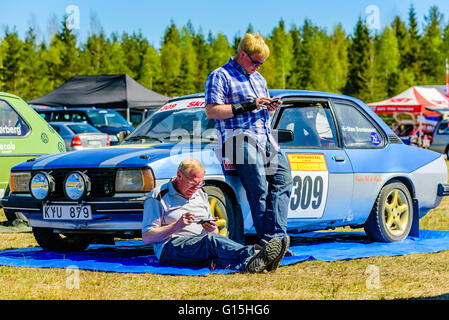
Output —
(105, 120)
(348, 169)
(440, 138)
(79, 136)
(23, 135)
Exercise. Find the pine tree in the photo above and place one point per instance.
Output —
(171, 59)
(185, 80)
(282, 54)
(387, 62)
(12, 60)
(65, 40)
(432, 43)
(294, 80)
(359, 55)
(413, 55)
(203, 52)
(221, 51)
(31, 67)
(338, 60)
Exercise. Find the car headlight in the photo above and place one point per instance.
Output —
(134, 180)
(76, 185)
(19, 182)
(41, 185)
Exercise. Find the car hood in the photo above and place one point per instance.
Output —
(162, 158)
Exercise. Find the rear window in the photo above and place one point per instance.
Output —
(82, 128)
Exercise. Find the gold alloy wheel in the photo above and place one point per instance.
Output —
(396, 212)
(218, 210)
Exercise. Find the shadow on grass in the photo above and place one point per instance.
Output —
(444, 296)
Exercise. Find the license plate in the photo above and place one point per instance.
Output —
(94, 143)
(67, 212)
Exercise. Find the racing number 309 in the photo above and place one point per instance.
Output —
(307, 192)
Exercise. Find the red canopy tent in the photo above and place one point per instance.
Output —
(414, 100)
(425, 106)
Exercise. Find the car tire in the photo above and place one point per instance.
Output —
(229, 224)
(10, 215)
(392, 215)
(50, 241)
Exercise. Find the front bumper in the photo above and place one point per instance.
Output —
(120, 213)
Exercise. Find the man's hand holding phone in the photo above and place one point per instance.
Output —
(274, 104)
(209, 225)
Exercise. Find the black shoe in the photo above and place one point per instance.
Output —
(276, 262)
(266, 256)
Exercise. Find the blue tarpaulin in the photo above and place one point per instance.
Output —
(135, 257)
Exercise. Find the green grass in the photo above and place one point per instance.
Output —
(421, 276)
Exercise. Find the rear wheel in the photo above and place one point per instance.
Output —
(48, 240)
(392, 215)
(222, 209)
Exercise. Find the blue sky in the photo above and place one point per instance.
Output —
(229, 17)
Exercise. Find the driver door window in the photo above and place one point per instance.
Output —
(311, 123)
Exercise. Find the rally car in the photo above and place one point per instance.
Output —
(348, 169)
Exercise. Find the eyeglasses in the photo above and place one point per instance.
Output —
(254, 62)
(193, 184)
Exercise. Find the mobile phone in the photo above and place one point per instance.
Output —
(275, 100)
(205, 220)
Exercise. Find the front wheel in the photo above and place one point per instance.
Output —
(48, 240)
(222, 209)
(392, 215)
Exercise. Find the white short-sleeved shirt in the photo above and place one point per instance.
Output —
(164, 205)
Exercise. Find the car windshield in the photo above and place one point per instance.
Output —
(102, 118)
(82, 128)
(190, 123)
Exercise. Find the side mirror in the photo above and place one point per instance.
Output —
(122, 135)
(283, 135)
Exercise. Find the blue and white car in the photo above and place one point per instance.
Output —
(348, 169)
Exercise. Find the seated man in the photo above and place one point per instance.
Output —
(171, 217)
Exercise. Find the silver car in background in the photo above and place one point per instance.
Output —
(79, 136)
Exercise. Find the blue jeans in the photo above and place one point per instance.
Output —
(204, 251)
(266, 178)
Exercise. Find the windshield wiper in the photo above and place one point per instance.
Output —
(134, 138)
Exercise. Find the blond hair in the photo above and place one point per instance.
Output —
(253, 43)
(190, 164)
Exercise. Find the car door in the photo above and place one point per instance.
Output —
(365, 144)
(321, 170)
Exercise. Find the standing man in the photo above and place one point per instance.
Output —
(237, 98)
(176, 220)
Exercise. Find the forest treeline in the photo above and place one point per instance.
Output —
(368, 64)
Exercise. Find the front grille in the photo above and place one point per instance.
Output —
(102, 182)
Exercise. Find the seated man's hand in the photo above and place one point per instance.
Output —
(210, 227)
(186, 219)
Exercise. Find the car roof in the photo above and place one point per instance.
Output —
(285, 93)
(8, 95)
